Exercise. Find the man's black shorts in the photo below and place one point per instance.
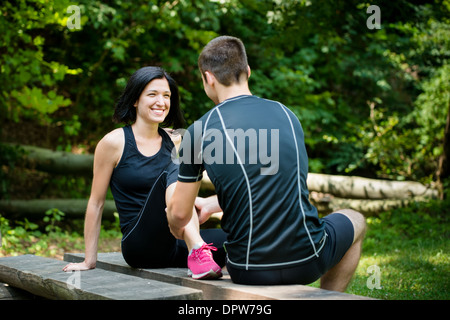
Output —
(340, 233)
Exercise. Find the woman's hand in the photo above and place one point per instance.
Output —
(81, 266)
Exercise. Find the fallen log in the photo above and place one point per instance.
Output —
(36, 208)
(76, 208)
(57, 162)
(358, 187)
(349, 187)
(326, 204)
(363, 188)
(73, 208)
(371, 207)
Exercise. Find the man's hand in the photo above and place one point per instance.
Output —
(205, 207)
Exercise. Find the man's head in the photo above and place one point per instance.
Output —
(226, 59)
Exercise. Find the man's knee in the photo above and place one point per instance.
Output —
(358, 221)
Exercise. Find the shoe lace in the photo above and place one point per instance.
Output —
(204, 251)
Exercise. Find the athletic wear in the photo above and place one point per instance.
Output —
(254, 153)
(135, 175)
(201, 264)
(138, 185)
(339, 231)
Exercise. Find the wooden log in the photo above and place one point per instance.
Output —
(353, 187)
(326, 204)
(35, 209)
(349, 187)
(73, 208)
(363, 188)
(76, 208)
(8, 292)
(370, 207)
(57, 162)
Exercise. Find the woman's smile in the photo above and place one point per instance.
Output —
(154, 102)
(158, 111)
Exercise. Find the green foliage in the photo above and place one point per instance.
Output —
(53, 235)
(371, 102)
(52, 217)
(28, 238)
(28, 80)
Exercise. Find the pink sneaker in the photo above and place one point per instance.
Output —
(201, 264)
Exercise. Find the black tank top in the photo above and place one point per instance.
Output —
(135, 175)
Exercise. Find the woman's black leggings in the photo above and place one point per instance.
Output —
(148, 243)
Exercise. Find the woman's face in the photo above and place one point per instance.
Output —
(154, 102)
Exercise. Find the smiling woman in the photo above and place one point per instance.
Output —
(136, 162)
(154, 102)
(139, 86)
(152, 108)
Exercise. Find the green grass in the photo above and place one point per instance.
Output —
(409, 245)
(411, 248)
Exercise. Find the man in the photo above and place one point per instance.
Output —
(254, 153)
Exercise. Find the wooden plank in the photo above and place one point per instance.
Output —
(44, 277)
(11, 293)
(221, 289)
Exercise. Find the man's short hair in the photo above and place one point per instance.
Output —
(226, 58)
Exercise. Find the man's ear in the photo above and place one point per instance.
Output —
(249, 71)
(210, 78)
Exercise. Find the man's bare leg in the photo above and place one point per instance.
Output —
(338, 277)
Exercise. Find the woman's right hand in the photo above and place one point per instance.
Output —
(81, 266)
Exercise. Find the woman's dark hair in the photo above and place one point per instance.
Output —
(125, 111)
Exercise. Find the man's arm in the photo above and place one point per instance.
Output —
(179, 208)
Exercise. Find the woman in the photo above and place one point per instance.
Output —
(135, 161)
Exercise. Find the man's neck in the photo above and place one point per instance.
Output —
(225, 93)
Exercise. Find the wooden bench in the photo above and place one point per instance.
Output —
(221, 289)
(44, 277)
(114, 279)
(12, 293)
